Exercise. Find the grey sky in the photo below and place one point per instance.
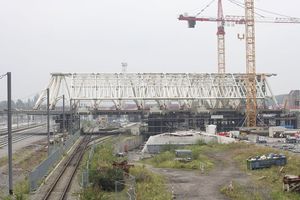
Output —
(39, 37)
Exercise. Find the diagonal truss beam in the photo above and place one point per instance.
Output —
(163, 88)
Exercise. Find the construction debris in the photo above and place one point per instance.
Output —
(266, 161)
(123, 165)
(291, 183)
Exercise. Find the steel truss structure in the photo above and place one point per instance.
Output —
(188, 90)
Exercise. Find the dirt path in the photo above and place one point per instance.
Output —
(194, 185)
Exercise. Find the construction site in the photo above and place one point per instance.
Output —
(168, 102)
(159, 135)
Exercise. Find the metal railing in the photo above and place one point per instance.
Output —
(125, 189)
(85, 173)
(40, 172)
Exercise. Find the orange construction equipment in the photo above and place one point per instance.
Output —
(249, 21)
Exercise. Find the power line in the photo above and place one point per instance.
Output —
(203, 9)
(2, 76)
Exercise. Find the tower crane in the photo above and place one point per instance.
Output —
(249, 21)
(220, 33)
(221, 40)
(251, 103)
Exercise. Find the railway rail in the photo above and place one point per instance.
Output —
(3, 131)
(17, 136)
(59, 189)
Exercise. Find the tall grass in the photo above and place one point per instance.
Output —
(199, 158)
(269, 180)
(150, 186)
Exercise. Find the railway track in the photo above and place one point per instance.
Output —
(3, 131)
(17, 136)
(61, 183)
(16, 139)
(59, 189)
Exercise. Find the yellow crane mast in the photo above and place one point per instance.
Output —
(251, 103)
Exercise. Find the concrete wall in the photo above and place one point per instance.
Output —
(298, 120)
(129, 143)
(275, 129)
(225, 140)
(209, 138)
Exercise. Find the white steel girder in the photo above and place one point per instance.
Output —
(187, 89)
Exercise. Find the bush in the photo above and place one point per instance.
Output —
(149, 185)
(163, 157)
(106, 179)
(103, 157)
(93, 193)
(141, 174)
(200, 142)
(169, 147)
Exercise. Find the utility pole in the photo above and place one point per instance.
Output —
(9, 124)
(48, 121)
(63, 127)
(71, 118)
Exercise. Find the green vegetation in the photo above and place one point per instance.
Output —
(102, 175)
(269, 178)
(103, 157)
(105, 178)
(25, 159)
(93, 193)
(150, 186)
(200, 157)
(240, 192)
(267, 183)
(88, 123)
(21, 191)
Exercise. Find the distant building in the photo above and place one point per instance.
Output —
(292, 101)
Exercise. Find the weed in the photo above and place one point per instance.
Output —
(149, 185)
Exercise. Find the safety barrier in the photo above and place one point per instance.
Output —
(40, 172)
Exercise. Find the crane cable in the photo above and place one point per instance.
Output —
(240, 4)
(203, 9)
(2, 76)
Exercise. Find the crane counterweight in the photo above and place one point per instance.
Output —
(249, 21)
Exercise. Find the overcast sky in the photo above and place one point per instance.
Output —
(39, 37)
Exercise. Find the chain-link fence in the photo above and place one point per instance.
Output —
(40, 172)
(125, 189)
(85, 173)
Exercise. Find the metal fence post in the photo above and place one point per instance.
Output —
(116, 190)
